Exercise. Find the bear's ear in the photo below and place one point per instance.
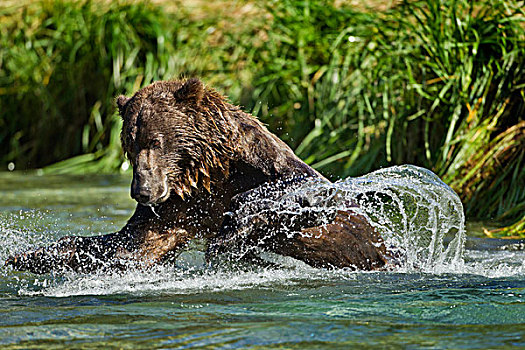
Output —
(121, 104)
(191, 92)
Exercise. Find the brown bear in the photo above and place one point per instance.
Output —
(200, 165)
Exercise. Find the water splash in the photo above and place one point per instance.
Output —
(419, 217)
(21, 231)
(417, 214)
(153, 210)
(161, 280)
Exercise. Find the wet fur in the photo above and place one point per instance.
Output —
(195, 157)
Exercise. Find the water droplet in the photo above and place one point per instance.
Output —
(125, 165)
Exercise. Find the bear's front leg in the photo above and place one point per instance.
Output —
(81, 254)
(113, 251)
(284, 218)
(348, 241)
(144, 241)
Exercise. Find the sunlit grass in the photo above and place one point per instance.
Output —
(435, 83)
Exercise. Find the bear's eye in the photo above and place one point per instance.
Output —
(154, 144)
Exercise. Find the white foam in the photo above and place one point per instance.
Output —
(161, 280)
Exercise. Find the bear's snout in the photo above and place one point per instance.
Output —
(140, 194)
(148, 187)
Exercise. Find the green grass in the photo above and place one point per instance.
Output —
(62, 66)
(435, 83)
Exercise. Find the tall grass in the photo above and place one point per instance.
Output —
(437, 83)
(434, 83)
(62, 65)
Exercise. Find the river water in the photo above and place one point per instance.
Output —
(441, 297)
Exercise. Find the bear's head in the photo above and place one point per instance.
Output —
(175, 134)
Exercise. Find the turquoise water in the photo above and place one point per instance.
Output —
(476, 302)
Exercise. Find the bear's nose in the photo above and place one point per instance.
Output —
(141, 195)
(142, 198)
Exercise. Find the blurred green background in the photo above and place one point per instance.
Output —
(351, 86)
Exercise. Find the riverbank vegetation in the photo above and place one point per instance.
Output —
(436, 83)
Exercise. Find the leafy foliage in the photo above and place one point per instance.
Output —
(63, 65)
(436, 83)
